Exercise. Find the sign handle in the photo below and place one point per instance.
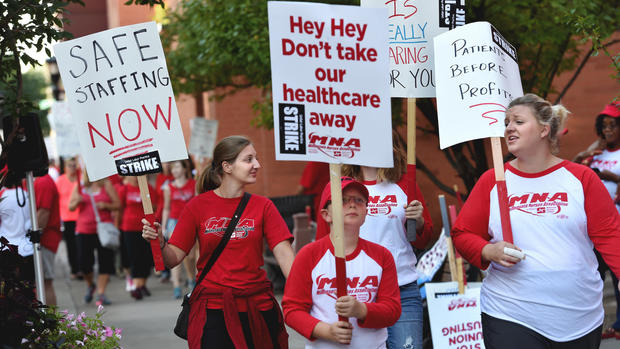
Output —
(446, 227)
(148, 211)
(411, 167)
(338, 232)
(502, 191)
(459, 198)
(460, 268)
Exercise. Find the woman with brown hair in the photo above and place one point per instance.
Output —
(106, 200)
(234, 304)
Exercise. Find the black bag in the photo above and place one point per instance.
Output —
(180, 329)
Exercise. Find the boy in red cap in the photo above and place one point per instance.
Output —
(373, 301)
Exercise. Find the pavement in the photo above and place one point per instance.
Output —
(148, 323)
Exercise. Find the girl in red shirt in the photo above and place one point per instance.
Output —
(138, 250)
(237, 296)
(106, 201)
(177, 193)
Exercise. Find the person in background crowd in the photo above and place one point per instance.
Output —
(233, 306)
(310, 306)
(15, 222)
(106, 201)
(138, 250)
(177, 194)
(48, 218)
(604, 159)
(65, 184)
(386, 225)
(312, 182)
(558, 210)
(161, 181)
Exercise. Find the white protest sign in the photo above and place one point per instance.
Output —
(120, 96)
(67, 142)
(331, 100)
(204, 134)
(413, 25)
(477, 77)
(455, 318)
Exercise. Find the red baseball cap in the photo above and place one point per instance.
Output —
(612, 110)
(344, 182)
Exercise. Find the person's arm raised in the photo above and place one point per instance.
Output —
(171, 254)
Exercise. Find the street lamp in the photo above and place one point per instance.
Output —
(58, 90)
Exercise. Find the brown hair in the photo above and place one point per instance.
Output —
(226, 150)
(391, 174)
(546, 114)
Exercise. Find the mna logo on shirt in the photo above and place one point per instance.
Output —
(218, 227)
(538, 204)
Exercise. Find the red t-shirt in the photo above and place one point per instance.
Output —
(131, 203)
(65, 188)
(47, 197)
(86, 222)
(179, 197)
(206, 217)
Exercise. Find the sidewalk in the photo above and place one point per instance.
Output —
(148, 323)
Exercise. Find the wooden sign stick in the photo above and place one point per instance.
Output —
(459, 198)
(148, 212)
(446, 226)
(411, 176)
(338, 232)
(460, 269)
(502, 192)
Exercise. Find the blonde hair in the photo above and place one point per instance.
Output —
(226, 150)
(546, 114)
(391, 174)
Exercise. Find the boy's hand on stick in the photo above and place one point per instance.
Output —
(341, 332)
(349, 306)
(151, 233)
(495, 253)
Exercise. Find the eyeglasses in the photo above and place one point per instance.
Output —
(355, 199)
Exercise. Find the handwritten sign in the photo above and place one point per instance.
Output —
(331, 98)
(204, 134)
(412, 27)
(120, 96)
(455, 318)
(67, 143)
(477, 77)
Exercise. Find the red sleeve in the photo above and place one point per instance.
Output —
(297, 299)
(274, 227)
(471, 229)
(44, 195)
(603, 219)
(427, 233)
(184, 234)
(385, 310)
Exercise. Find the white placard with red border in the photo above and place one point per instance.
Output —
(455, 318)
(67, 143)
(413, 25)
(120, 96)
(477, 77)
(331, 100)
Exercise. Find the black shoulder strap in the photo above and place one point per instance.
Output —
(220, 247)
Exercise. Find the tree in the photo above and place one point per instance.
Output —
(218, 43)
